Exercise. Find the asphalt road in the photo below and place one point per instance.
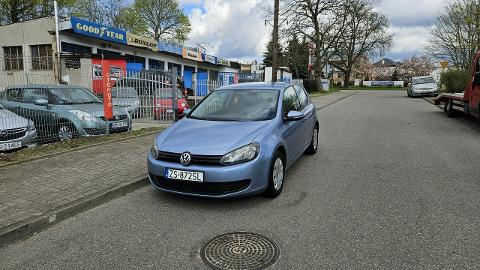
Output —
(395, 185)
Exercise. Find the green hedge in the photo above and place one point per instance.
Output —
(455, 81)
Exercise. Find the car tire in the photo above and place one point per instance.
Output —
(277, 169)
(449, 110)
(66, 131)
(408, 94)
(312, 148)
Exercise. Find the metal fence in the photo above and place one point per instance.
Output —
(36, 108)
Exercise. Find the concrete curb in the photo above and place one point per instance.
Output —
(31, 226)
(338, 100)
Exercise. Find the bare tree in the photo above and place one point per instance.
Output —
(365, 33)
(322, 23)
(455, 36)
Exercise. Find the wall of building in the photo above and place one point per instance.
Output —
(26, 34)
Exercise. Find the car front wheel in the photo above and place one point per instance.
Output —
(66, 131)
(276, 176)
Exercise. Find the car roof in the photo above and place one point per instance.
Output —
(257, 86)
(44, 86)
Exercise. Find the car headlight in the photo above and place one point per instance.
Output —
(30, 126)
(154, 150)
(83, 115)
(183, 104)
(241, 155)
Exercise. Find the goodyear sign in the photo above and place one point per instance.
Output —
(142, 42)
(98, 31)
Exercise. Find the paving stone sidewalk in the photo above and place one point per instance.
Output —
(36, 187)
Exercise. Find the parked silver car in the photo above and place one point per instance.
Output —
(127, 98)
(63, 112)
(422, 86)
(15, 131)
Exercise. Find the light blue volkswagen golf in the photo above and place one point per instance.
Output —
(238, 141)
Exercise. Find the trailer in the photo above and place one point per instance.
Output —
(467, 102)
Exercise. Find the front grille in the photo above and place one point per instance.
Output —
(12, 134)
(95, 131)
(196, 159)
(115, 118)
(205, 188)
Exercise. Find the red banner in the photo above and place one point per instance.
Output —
(107, 92)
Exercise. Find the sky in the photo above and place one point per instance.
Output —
(236, 29)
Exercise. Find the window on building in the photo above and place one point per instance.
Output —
(76, 49)
(72, 63)
(156, 64)
(42, 57)
(13, 58)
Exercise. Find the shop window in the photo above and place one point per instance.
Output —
(76, 49)
(42, 57)
(13, 58)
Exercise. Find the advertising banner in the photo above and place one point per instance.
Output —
(171, 48)
(192, 54)
(107, 93)
(142, 42)
(223, 62)
(210, 59)
(98, 31)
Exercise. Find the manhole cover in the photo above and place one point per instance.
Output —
(240, 250)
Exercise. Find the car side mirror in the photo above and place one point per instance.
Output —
(40, 102)
(476, 78)
(294, 116)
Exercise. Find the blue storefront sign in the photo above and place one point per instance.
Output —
(98, 31)
(209, 58)
(171, 48)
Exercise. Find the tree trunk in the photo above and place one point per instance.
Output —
(346, 82)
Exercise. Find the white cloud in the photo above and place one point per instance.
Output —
(230, 28)
(409, 39)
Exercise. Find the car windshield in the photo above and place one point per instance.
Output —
(237, 105)
(123, 92)
(423, 80)
(67, 96)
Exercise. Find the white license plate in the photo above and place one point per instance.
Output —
(184, 175)
(169, 111)
(120, 124)
(10, 146)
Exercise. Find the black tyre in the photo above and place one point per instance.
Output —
(276, 176)
(449, 110)
(312, 148)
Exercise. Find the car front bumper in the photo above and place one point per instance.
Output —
(240, 180)
(100, 127)
(425, 93)
(24, 141)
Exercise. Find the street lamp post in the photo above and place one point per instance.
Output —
(275, 40)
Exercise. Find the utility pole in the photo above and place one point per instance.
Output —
(275, 40)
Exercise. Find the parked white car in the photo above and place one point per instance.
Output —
(422, 86)
(15, 131)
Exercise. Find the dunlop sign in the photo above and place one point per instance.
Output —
(98, 31)
(142, 42)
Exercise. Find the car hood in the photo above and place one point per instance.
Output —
(426, 86)
(94, 109)
(201, 137)
(9, 120)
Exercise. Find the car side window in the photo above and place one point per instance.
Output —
(13, 94)
(302, 97)
(29, 95)
(290, 101)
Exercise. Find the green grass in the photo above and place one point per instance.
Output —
(61, 147)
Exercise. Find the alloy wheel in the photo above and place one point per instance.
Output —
(65, 133)
(278, 174)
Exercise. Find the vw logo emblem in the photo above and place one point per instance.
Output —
(185, 158)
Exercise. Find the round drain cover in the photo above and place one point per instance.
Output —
(240, 250)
